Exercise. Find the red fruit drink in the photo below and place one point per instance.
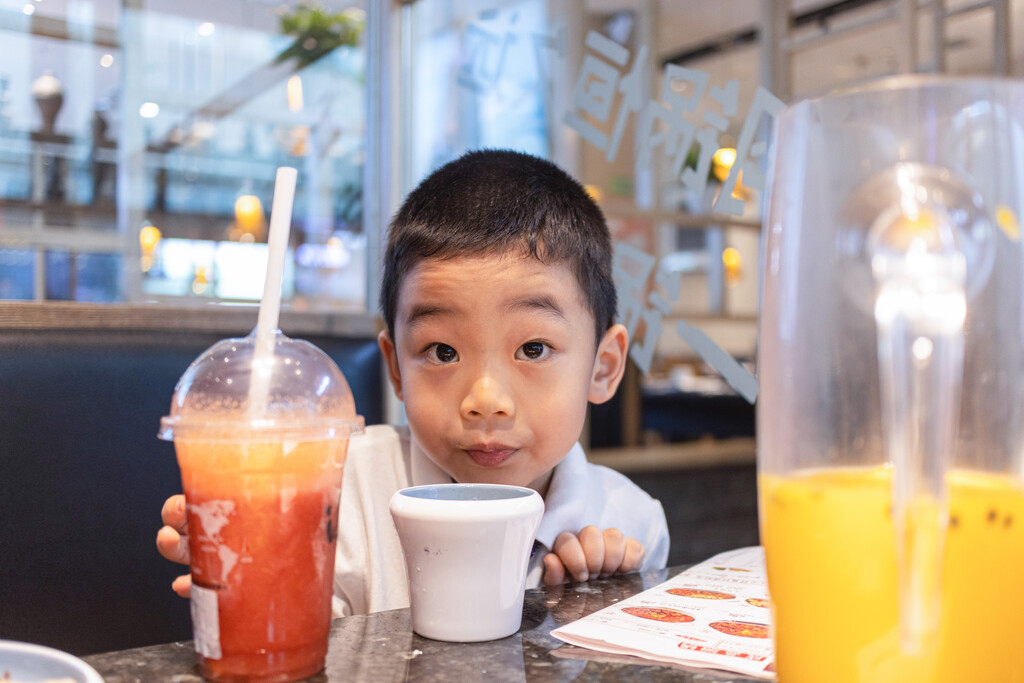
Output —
(262, 531)
(261, 443)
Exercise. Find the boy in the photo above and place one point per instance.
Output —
(500, 314)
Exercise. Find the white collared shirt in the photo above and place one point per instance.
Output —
(369, 574)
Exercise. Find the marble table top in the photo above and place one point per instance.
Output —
(383, 647)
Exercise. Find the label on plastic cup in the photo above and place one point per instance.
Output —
(205, 622)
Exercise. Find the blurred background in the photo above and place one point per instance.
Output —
(139, 139)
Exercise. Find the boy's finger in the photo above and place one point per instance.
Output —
(570, 553)
(554, 571)
(593, 548)
(614, 551)
(631, 561)
(172, 545)
(173, 514)
(183, 586)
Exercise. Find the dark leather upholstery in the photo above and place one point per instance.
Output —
(83, 477)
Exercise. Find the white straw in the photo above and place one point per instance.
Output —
(270, 305)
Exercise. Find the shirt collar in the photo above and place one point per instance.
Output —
(566, 500)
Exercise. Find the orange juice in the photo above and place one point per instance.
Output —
(831, 556)
(263, 521)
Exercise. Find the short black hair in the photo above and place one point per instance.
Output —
(498, 201)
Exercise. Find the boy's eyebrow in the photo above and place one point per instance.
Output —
(539, 302)
(420, 312)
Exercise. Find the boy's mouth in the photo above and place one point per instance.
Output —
(490, 456)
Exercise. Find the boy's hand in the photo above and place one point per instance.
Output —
(591, 553)
(172, 540)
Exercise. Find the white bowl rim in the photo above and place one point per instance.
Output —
(75, 664)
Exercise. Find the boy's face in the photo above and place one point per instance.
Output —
(495, 360)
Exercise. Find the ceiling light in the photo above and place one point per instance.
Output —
(722, 162)
(294, 91)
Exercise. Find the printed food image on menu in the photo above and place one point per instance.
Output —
(713, 615)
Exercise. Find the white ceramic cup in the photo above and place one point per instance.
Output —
(467, 548)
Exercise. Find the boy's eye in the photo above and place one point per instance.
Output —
(534, 350)
(442, 353)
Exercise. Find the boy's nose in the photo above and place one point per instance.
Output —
(488, 397)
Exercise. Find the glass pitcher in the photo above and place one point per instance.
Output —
(890, 417)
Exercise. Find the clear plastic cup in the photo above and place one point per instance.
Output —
(262, 486)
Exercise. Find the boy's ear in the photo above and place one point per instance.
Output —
(609, 364)
(387, 349)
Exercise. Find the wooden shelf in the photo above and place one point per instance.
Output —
(221, 318)
(701, 453)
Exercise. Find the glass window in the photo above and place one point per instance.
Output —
(476, 79)
(59, 270)
(17, 273)
(82, 276)
(587, 86)
(139, 144)
(97, 277)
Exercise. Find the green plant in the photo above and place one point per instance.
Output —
(318, 31)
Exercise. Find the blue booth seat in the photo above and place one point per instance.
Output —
(83, 477)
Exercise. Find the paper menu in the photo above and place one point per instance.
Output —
(714, 614)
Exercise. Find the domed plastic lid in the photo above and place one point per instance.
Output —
(302, 395)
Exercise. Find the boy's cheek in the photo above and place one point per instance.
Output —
(422, 410)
